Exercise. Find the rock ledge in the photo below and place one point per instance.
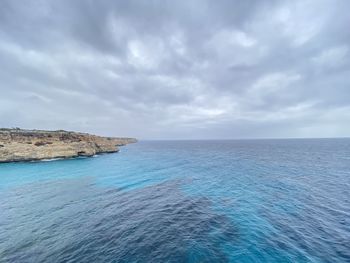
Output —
(18, 145)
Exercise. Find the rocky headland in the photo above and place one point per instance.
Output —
(18, 145)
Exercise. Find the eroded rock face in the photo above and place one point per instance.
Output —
(28, 145)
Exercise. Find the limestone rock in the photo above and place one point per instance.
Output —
(28, 145)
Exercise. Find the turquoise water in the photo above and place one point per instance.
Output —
(182, 201)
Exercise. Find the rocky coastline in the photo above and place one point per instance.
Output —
(18, 145)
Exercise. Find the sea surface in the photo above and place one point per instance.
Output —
(182, 201)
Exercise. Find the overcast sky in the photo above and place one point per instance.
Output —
(177, 69)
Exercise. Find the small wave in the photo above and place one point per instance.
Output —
(51, 160)
(46, 160)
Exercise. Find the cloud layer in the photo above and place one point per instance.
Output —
(177, 69)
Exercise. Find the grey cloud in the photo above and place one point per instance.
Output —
(177, 69)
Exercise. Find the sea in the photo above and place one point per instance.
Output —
(278, 200)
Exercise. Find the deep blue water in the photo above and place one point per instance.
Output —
(182, 201)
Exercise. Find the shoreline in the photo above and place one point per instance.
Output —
(17, 145)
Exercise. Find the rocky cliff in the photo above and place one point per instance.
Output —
(28, 145)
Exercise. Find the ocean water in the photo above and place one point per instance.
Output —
(182, 201)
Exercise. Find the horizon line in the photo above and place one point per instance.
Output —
(246, 139)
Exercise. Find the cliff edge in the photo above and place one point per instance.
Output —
(28, 145)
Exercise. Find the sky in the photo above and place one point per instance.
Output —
(185, 69)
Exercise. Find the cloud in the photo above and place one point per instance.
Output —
(333, 57)
(176, 69)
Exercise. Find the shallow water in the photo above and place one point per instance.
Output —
(182, 201)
